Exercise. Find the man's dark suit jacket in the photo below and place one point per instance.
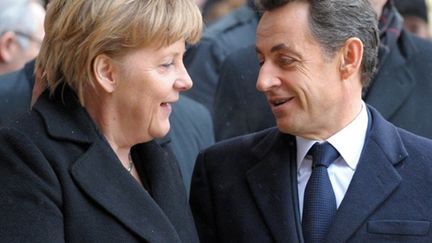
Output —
(61, 182)
(245, 190)
(401, 91)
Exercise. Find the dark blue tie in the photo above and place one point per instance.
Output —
(319, 206)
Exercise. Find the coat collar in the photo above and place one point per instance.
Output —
(100, 175)
(65, 118)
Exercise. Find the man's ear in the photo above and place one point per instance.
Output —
(103, 70)
(7, 52)
(351, 58)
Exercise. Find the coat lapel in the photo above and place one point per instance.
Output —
(167, 188)
(102, 177)
(273, 188)
(373, 182)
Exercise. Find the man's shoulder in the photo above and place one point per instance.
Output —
(245, 146)
(414, 142)
(393, 138)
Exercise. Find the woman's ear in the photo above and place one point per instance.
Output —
(351, 58)
(103, 70)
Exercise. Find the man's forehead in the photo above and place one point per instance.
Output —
(282, 18)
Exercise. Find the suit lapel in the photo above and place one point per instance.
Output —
(102, 177)
(373, 182)
(273, 189)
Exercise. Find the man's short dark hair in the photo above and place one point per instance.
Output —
(332, 22)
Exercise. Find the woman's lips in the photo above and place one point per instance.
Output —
(166, 107)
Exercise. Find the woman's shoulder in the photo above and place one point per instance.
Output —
(28, 124)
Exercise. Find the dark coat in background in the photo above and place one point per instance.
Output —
(61, 181)
(401, 91)
(245, 190)
(15, 92)
(203, 61)
(191, 131)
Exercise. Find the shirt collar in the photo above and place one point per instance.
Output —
(348, 142)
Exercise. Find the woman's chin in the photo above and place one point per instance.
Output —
(162, 131)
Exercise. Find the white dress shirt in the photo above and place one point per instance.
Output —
(349, 143)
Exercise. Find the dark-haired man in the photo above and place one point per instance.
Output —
(400, 90)
(334, 170)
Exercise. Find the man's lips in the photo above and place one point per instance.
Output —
(275, 102)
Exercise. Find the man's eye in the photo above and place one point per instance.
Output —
(286, 60)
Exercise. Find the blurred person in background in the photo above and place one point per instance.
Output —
(82, 165)
(21, 32)
(222, 37)
(200, 4)
(415, 14)
(221, 8)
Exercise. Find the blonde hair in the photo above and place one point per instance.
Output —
(77, 31)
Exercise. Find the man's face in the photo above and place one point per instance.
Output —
(303, 86)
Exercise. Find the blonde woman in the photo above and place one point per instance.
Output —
(82, 166)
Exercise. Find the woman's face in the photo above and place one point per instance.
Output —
(149, 81)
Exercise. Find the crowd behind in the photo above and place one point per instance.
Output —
(222, 103)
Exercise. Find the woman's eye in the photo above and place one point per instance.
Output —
(167, 65)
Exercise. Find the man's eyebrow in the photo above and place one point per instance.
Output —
(275, 48)
(279, 47)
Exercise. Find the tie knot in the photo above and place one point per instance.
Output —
(323, 154)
